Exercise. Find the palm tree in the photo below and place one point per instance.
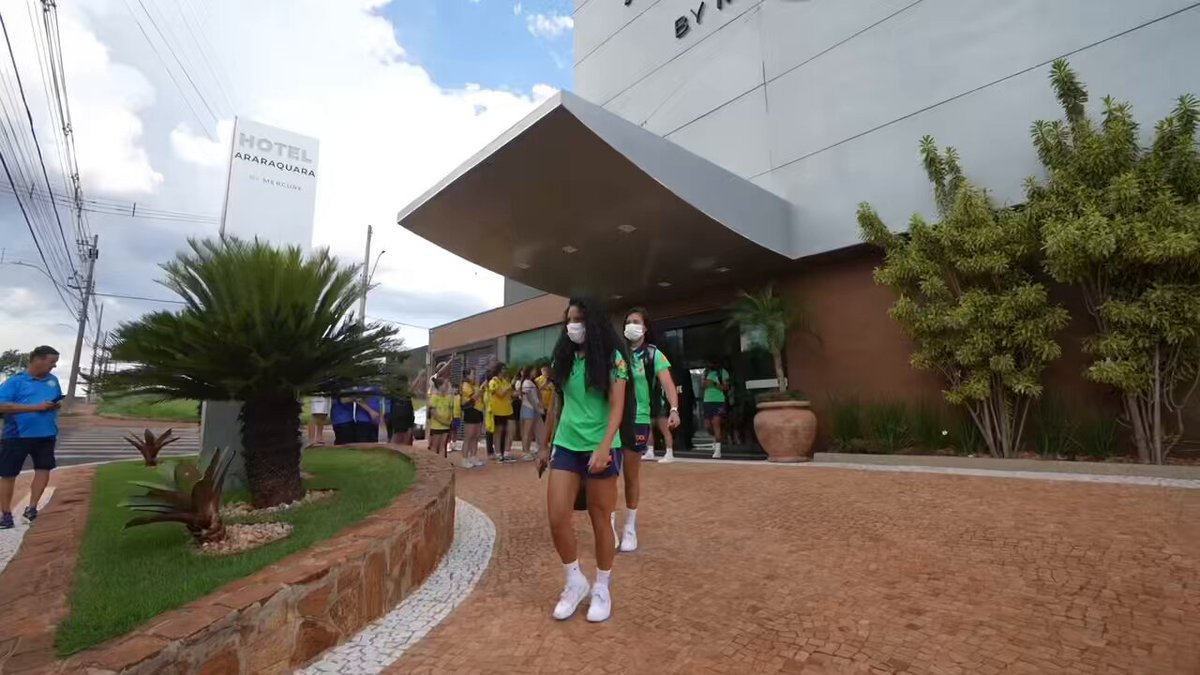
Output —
(260, 325)
(769, 313)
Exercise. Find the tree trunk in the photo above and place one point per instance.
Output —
(779, 376)
(271, 447)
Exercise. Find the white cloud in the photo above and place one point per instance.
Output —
(549, 25)
(387, 133)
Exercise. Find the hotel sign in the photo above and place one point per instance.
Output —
(271, 189)
(683, 25)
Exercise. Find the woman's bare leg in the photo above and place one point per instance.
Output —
(560, 505)
(527, 436)
(602, 500)
(632, 470)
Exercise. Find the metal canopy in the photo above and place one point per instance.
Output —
(574, 199)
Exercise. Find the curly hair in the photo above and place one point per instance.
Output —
(598, 347)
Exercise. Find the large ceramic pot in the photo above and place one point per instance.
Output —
(786, 430)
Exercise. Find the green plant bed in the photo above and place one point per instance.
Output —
(146, 408)
(125, 577)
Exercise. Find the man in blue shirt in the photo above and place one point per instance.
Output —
(355, 415)
(29, 402)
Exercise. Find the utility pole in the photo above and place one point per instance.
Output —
(85, 293)
(366, 279)
(95, 352)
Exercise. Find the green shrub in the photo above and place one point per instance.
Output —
(1054, 431)
(887, 426)
(1096, 436)
(927, 426)
(968, 438)
(847, 416)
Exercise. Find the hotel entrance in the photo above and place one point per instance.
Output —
(692, 343)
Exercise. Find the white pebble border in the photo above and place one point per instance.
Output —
(1151, 481)
(10, 540)
(384, 641)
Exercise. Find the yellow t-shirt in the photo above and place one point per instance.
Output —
(543, 384)
(441, 412)
(468, 390)
(500, 395)
(457, 407)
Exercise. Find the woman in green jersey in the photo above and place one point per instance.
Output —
(592, 373)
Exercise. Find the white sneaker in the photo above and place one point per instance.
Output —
(616, 537)
(716, 451)
(601, 607)
(669, 457)
(467, 463)
(573, 594)
(648, 456)
(629, 540)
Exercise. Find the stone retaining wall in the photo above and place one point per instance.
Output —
(283, 616)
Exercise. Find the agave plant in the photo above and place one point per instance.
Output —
(260, 325)
(190, 494)
(150, 445)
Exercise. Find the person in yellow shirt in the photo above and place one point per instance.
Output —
(500, 397)
(441, 414)
(471, 395)
(545, 384)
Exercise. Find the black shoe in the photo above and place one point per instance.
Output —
(6, 522)
(30, 514)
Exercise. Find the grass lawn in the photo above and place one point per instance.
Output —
(125, 577)
(145, 408)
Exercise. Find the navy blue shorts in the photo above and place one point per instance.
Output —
(641, 437)
(714, 410)
(577, 462)
(14, 451)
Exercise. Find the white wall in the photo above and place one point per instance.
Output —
(824, 101)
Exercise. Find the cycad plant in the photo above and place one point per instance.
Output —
(189, 495)
(260, 325)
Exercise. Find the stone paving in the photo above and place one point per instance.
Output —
(772, 570)
(10, 540)
(388, 638)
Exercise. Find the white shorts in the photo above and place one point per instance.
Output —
(319, 406)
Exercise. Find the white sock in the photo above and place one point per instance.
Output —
(602, 577)
(573, 571)
(630, 519)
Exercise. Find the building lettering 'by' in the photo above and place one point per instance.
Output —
(683, 25)
(267, 146)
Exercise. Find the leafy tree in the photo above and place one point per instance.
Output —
(970, 301)
(260, 325)
(11, 361)
(1122, 224)
(772, 315)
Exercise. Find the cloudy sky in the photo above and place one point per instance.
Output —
(398, 93)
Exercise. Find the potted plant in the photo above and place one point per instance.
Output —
(784, 422)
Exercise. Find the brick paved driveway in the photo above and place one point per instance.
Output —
(762, 570)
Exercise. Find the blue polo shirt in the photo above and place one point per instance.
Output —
(25, 389)
(344, 413)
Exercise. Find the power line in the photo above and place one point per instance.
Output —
(120, 208)
(33, 130)
(170, 72)
(398, 323)
(120, 296)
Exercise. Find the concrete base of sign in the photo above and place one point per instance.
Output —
(221, 428)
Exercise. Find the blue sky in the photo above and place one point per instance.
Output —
(487, 42)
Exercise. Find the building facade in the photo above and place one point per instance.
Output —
(721, 145)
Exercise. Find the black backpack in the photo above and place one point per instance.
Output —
(649, 356)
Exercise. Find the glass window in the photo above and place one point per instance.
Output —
(525, 348)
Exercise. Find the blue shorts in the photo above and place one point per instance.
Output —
(577, 462)
(14, 451)
(641, 437)
(714, 410)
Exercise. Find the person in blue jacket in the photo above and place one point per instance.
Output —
(355, 416)
(29, 402)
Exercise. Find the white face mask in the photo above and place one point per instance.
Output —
(634, 331)
(577, 332)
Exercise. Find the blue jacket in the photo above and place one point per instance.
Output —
(345, 413)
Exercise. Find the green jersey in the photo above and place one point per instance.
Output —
(713, 379)
(641, 384)
(584, 416)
